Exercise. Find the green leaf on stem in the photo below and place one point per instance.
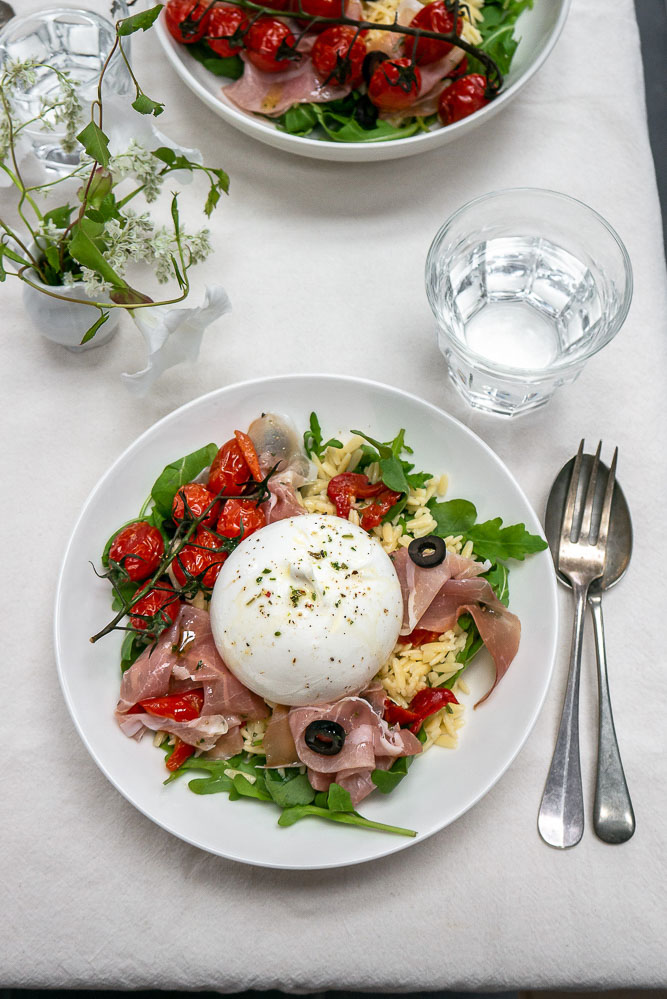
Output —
(82, 248)
(130, 296)
(139, 22)
(95, 142)
(59, 216)
(145, 105)
(53, 257)
(94, 328)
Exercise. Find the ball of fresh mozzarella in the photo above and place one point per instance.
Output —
(306, 610)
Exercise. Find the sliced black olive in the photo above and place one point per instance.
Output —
(427, 552)
(371, 62)
(325, 737)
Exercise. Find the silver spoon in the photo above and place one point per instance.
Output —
(613, 817)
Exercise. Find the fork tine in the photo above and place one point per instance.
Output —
(606, 505)
(568, 512)
(585, 532)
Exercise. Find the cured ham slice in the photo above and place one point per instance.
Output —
(369, 743)
(278, 739)
(185, 658)
(278, 446)
(273, 93)
(435, 598)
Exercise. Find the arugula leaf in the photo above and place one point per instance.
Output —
(177, 474)
(346, 128)
(497, 29)
(498, 577)
(386, 780)
(132, 647)
(230, 66)
(392, 469)
(123, 593)
(493, 541)
(300, 119)
(338, 799)
(452, 517)
(312, 439)
(289, 790)
(291, 815)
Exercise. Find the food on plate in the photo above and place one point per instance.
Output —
(298, 614)
(353, 70)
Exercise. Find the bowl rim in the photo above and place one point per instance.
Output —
(535, 374)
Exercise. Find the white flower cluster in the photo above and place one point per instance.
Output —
(63, 108)
(139, 162)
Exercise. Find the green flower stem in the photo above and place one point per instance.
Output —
(100, 305)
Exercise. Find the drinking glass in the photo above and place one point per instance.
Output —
(72, 40)
(525, 285)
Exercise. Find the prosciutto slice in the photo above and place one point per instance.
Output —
(369, 744)
(277, 444)
(273, 93)
(185, 658)
(435, 598)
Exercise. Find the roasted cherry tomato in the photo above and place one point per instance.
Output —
(224, 29)
(433, 17)
(180, 753)
(372, 514)
(343, 489)
(462, 97)
(395, 85)
(268, 42)
(248, 451)
(199, 559)
(318, 8)
(179, 707)
(338, 55)
(229, 470)
(191, 500)
(137, 549)
(420, 636)
(236, 511)
(156, 610)
(186, 20)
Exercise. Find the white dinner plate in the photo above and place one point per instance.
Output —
(538, 29)
(441, 786)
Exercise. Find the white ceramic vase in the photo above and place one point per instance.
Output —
(64, 322)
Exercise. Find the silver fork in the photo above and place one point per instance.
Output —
(561, 815)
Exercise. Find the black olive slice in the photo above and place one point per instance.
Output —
(427, 552)
(325, 737)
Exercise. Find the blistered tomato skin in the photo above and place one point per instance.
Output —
(462, 98)
(224, 22)
(395, 85)
(338, 55)
(192, 500)
(186, 20)
(229, 470)
(433, 17)
(199, 559)
(161, 604)
(137, 549)
(264, 40)
(235, 512)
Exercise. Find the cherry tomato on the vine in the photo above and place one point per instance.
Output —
(462, 97)
(191, 500)
(433, 17)
(229, 470)
(224, 23)
(137, 549)
(318, 8)
(266, 42)
(157, 609)
(338, 55)
(199, 559)
(186, 20)
(394, 85)
(234, 511)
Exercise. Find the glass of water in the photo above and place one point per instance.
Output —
(525, 285)
(72, 40)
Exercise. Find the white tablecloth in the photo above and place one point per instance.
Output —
(324, 265)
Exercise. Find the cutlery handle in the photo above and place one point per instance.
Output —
(561, 817)
(613, 817)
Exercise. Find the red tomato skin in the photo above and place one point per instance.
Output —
(229, 470)
(462, 98)
(318, 8)
(384, 89)
(432, 17)
(180, 753)
(198, 499)
(223, 21)
(262, 42)
(162, 598)
(201, 563)
(138, 549)
(341, 40)
(233, 512)
(195, 17)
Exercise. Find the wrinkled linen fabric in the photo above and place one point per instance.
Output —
(324, 264)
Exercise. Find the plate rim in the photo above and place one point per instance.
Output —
(359, 382)
(299, 145)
